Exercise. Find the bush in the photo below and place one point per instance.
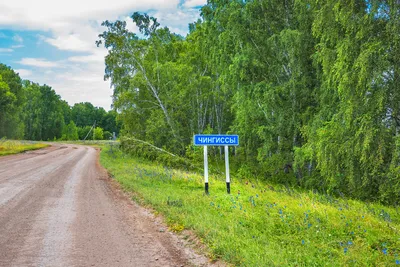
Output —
(107, 135)
(70, 132)
(98, 133)
(83, 131)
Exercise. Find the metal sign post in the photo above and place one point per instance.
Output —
(216, 140)
(228, 178)
(205, 169)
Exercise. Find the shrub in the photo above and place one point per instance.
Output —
(98, 133)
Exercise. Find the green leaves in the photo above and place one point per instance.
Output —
(6, 97)
(70, 132)
(11, 99)
(147, 25)
(354, 144)
(35, 112)
(311, 87)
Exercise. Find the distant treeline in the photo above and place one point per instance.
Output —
(311, 87)
(35, 112)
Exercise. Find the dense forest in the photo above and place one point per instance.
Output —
(35, 112)
(311, 87)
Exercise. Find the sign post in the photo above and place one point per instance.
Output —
(205, 169)
(228, 178)
(216, 140)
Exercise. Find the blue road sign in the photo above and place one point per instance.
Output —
(216, 140)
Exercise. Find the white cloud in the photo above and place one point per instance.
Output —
(17, 46)
(82, 83)
(96, 57)
(177, 20)
(49, 14)
(194, 3)
(38, 62)
(74, 26)
(24, 73)
(6, 50)
(131, 26)
(71, 42)
(178, 31)
(18, 39)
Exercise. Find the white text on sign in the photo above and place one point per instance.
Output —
(216, 140)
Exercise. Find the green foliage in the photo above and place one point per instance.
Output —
(354, 130)
(48, 114)
(85, 114)
(311, 87)
(107, 135)
(110, 123)
(35, 112)
(162, 97)
(70, 132)
(83, 132)
(148, 151)
(12, 98)
(98, 133)
(7, 100)
(259, 224)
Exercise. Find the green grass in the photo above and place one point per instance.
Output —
(95, 143)
(263, 225)
(8, 147)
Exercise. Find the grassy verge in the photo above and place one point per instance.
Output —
(95, 143)
(9, 147)
(263, 225)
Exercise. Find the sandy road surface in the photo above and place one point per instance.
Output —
(59, 208)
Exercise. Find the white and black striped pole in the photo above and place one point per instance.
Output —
(205, 170)
(228, 178)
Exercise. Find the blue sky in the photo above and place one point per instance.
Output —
(52, 42)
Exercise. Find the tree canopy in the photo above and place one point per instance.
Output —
(36, 112)
(311, 87)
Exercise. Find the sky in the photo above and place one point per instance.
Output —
(53, 42)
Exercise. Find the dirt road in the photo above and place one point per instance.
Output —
(59, 208)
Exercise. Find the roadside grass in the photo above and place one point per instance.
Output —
(8, 147)
(96, 143)
(263, 225)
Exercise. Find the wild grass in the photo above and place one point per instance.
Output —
(8, 147)
(260, 224)
(94, 143)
